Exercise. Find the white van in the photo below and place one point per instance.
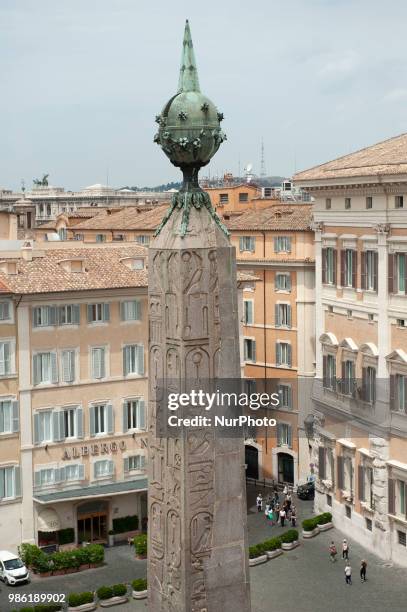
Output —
(12, 569)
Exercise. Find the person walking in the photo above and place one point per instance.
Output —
(285, 490)
(282, 517)
(332, 552)
(348, 574)
(293, 516)
(288, 499)
(345, 550)
(259, 502)
(363, 566)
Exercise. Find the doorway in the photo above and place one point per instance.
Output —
(252, 462)
(285, 468)
(92, 522)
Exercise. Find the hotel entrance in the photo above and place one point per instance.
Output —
(92, 522)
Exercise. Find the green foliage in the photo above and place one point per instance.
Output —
(140, 544)
(104, 592)
(67, 559)
(312, 523)
(66, 536)
(79, 599)
(289, 536)
(96, 553)
(140, 584)
(324, 518)
(119, 590)
(256, 551)
(41, 608)
(29, 553)
(272, 544)
(42, 563)
(125, 523)
(82, 555)
(309, 524)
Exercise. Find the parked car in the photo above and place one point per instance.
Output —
(306, 491)
(12, 569)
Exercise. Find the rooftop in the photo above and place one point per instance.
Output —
(384, 158)
(103, 268)
(129, 218)
(296, 217)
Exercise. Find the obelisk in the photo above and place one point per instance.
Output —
(197, 531)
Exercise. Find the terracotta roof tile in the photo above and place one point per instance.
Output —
(275, 218)
(127, 218)
(386, 158)
(103, 269)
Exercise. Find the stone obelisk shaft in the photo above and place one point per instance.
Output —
(197, 540)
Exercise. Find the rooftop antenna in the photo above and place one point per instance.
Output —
(23, 186)
(107, 185)
(262, 162)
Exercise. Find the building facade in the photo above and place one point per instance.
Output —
(360, 394)
(276, 245)
(73, 392)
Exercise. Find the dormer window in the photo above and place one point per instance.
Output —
(134, 263)
(8, 267)
(72, 265)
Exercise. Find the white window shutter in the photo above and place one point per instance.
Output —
(289, 316)
(289, 355)
(52, 315)
(289, 436)
(92, 420)
(126, 464)
(17, 481)
(81, 471)
(141, 415)
(16, 416)
(56, 427)
(76, 314)
(90, 313)
(126, 360)
(138, 310)
(79, 423)
(106, 312)
(142, 461)
(102, 363)
(123, 311)
(54, 369)
(37, 478)
(125, 417)
(36, 369)
(37, 429)
(110, 418)
(278, 353)
(140, 359)
(2, 359)
(110, 467)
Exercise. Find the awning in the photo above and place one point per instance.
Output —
(48, 520)
(114, 488)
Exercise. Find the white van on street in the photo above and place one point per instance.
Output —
(12, 569)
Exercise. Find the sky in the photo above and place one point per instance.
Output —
(81, 83)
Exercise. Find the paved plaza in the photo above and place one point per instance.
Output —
(301, 580)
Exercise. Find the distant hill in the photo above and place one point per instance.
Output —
(164, 187)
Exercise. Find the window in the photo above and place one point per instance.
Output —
(243, 197)
(100, 237)
(74, 472)
(365, 484)
(267, 192)
(133, 359)
(98, 313)
(285, 395)
(399, 201)
(283, 281)
(348, 511)
(101, 419)
(401, 323)
(348, 203)
(136, 264)
(248, 312)
(45, 368)
(398, 392)
(283, 315)
(369, 384)
(249, 349)
(348, 268)
(135, 462)
(62, 233)
(330, 309)
(131, 310)
(329, 372)
(328, 203)
(369, 270)
(349, 314)
(134, 416)
(348, 377)
(5, 311)
(70, 423)
(282, 244)
(401, 538)
(69, 314)
(224, 198)
(10, 486)
(370, 317)
(284, 435)
(7, 359)
(247, 243)
(68, 365)
(369, 202)
(104, 468)
(329, 500)
(98, 366)
(9, 416)
(78, 237)
(369, 524)
(144, 240)
(43, 427)
(118, 238)
(283, 354)
(400, 273)
(329, 266)
(44, 316)
(45, 477)
(401, 498)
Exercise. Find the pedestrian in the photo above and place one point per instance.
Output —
(259, 502)
(348, 574)
(285, 490)
(270, 517)
(282, 517)
(293, 516)
(333, 552)
(267, 510)
(363, 566)
(276, 497)
(345, 550)
(288, 500)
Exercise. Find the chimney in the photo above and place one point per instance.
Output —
(27, 250)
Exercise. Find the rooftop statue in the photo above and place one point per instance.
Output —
(189, 133)
(41, 182)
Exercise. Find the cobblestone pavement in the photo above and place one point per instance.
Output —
(301, 580)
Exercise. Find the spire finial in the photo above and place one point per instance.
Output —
(188, 74)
